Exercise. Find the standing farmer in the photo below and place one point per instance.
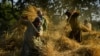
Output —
(40, 23)
(73, 21)
(32, 32)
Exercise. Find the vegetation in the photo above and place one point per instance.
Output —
(55, 41)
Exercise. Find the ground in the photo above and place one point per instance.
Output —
(55, 42)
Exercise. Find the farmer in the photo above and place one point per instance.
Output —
(74, 23)
(40, 23)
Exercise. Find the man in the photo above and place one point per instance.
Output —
(28, 44)
(34, 29)
(87, 26)
(73, 21)
(40, 23)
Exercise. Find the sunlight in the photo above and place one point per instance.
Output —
(15, 0)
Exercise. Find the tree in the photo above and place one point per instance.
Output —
(7, 16)
(55, 8)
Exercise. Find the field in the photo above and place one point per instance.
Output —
(55, 42)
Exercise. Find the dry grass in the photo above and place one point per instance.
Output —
(30, 12)
(54, 41)
(55, 44)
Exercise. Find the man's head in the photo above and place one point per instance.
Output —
(85, 21)
(73, 13)
(68, 13)
(39, 13)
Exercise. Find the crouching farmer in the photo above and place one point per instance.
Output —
(87, 26)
